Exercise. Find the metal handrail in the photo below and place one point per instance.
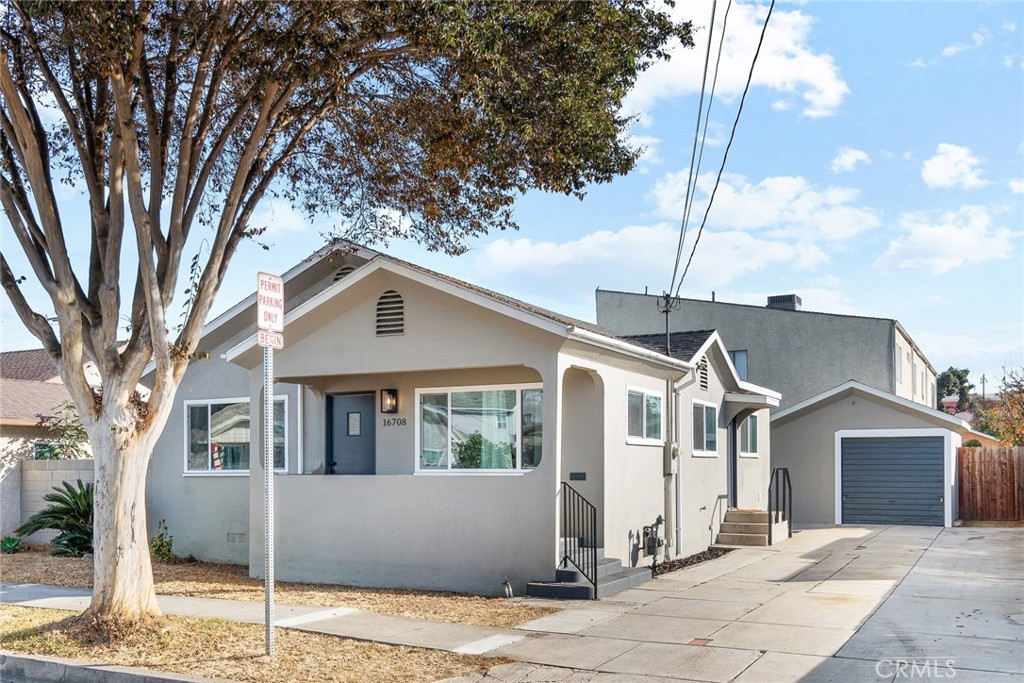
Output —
(780, 501)
(579, 524)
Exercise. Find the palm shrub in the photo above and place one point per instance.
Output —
(70, 513)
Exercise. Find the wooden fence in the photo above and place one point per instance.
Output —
(991, 484)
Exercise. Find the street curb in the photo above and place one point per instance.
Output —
(37, 669)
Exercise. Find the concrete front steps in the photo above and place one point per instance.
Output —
(749, 528)
(571, 584)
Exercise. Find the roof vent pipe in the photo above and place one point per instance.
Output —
(785, 302)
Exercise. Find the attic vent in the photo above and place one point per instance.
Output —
(702, 371)
(342, 272)
(390, 314)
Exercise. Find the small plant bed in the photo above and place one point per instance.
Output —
(684, 562)
(232, 582)
(232, 651)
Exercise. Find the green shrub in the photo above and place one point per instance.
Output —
(972, 443)
(70, 513)
(10, 544)
(161, 543)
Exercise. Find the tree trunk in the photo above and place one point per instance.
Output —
(123, 589)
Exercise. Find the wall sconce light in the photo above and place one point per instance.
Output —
(389, 400)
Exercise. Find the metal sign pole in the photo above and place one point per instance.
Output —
(268, 493)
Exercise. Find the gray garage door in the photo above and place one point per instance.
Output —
(892, 480)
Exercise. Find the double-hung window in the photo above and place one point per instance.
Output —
(481, 429)
(643, 417)
(217, 436)
(748, 436)
(705, 429)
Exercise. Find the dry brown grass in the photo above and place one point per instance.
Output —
(225, 650)
(232, 582)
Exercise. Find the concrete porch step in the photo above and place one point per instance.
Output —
(747, 516)
(744, 528)
(605, 566)
(607, 584)
(743, 539)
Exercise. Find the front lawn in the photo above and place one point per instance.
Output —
(232, 582)
(226, 650)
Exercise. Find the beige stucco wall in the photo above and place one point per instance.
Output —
(909, 383)
(16, 444)
(806, 445)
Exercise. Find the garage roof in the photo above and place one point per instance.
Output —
(853, 387)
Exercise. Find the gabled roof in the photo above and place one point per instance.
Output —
(853, 387)
(527, 313)
(24, 402)
(681, 345)
(30, 364)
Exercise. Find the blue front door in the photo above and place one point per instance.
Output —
(351, 434)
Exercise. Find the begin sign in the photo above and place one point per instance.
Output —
(269, 303)
(273, 340)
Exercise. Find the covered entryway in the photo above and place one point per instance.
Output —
(892, 480)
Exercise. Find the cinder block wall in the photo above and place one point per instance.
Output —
(38, 477)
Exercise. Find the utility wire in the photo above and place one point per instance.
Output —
(693, 153)
(732, 135)
(692, 193)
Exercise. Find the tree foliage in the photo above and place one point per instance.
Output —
(68, 438)
(953, 382)
(1005, 420)
(175, 118)
(70, 511)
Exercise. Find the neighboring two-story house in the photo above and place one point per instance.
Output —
(798, 353)
(858, 425)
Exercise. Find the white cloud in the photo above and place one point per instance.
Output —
(786, 207)
(787, 64)
(935, 299)
(1009, 26)
(1009, 61)
(279, 217)
(917, 63)
(650, 155)
(947, 241)
(848, 158)
(978, 38)
(952, 166)
(782, 105)
(637, 253)
(985, 349)
(1016, 185)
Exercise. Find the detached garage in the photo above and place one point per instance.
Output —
(857, 455)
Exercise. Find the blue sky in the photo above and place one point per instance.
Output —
(878, 170)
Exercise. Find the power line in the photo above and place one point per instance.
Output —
(707, 119)
(693, 153)
(728, 146)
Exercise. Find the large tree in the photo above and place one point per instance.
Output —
(176, 117)
(1005, 419)
(954, 382)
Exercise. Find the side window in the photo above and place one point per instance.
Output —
(748, 436)
(643, 416)
(705, 429)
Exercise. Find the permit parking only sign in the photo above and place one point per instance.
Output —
(270, 310)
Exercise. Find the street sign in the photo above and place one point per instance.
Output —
(270, 340)
(270, 303)
(269, 325)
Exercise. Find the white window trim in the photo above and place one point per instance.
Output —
(186, 472)
(449, 472)
(645, 441)
(950, 442)
(705, 454)
(739, 449)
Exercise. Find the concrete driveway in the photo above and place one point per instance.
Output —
(837, 604)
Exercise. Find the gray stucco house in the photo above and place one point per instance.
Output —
(798, 353)
(857, 429)
(427, 431)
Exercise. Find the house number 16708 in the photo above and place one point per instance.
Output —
(394, 421)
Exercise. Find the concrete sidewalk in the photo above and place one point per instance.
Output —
(829, 605)
(339, 621)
